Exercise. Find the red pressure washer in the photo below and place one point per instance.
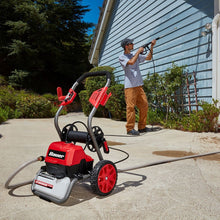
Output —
(66, 162)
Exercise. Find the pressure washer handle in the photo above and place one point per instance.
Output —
(90, 74)
(146, 45)
(71, 95)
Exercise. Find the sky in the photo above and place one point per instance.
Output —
(93, 15)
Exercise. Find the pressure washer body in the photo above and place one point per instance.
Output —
(66, 162)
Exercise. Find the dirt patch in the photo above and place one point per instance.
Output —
(214, 140)
(174, 153)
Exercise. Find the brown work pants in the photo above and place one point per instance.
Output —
(136, 97)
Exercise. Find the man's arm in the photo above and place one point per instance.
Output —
(149, 56)
(135, 57)
(140, 50)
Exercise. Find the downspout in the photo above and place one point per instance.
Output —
(216, 58)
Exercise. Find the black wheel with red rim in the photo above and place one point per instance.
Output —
(104, 177)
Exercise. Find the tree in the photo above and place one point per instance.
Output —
(45, 40)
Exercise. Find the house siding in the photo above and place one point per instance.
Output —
(144, 20)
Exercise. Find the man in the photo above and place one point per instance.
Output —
(134, 93)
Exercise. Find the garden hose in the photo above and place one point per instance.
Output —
(41, 158)
(7, 186)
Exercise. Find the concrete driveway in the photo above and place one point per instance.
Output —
(187, 189)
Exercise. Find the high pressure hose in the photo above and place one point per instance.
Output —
(41, 158)
(7, 186)
(165, 161)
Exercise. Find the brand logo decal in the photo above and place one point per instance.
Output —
(57, 154)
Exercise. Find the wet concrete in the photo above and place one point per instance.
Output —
(175, 153)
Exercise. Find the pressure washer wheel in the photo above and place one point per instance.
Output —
(104, 177)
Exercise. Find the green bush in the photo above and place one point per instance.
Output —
(191, 123)
(97, 82)
(86, 106)
(209, 116)
(18, 78)
(92, 84)
(34, 106)
(205, 120)
(8, 113)
(3, 115)
(155, 116)
(52, 98)
(22, 104)
(116, 103)
(3, 81)
(8, 97)
(161, 89)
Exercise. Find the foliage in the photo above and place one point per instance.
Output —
(116, 103)
(209, 115)
(8, 96)
(3, 115)
(34, 106)
(3, 81)
(92, 84)
(22, 104)
(18, 78)
(10, 113)
(86, 107)
(155, 116)
(205, 120)
(161, 89)
(43, 42)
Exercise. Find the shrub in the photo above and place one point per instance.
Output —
(3, 81)
(18, 104)
(52, 98)
(3, 115)
(18, 78)
(209, 115)
(116, 103)
(92, 84)
(155, 116)
(191, 123)
(84, 97)
(34, 106)
(205, 120)
(161, 89)
(8, 97)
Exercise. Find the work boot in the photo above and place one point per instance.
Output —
(133, 132)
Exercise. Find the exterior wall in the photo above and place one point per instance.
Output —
(144, 20)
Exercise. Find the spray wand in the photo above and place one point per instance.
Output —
(147, 44)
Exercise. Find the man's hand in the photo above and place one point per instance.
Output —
(153, 42)
(149, 56)
(140, 50)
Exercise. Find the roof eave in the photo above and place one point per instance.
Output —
(99, 32)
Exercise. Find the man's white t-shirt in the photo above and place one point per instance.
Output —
(133, 76)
